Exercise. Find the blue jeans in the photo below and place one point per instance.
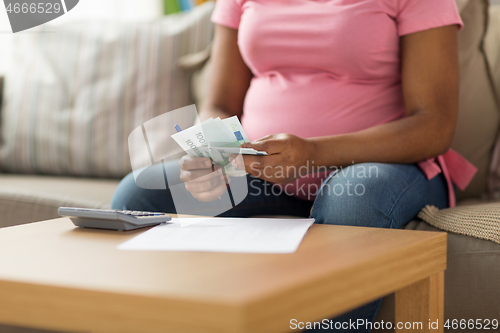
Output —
(368, 195)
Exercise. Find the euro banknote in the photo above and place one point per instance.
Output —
(210, 137)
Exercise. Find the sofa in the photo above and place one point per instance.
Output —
(472, 288)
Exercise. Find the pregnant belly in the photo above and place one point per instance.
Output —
(317, 106)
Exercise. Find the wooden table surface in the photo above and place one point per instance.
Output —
(56, 276)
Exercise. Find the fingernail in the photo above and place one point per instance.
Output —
(219, 171)
(208, 163)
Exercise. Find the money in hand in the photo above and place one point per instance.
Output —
(202, 140)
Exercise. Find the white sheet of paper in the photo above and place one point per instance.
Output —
(249, 235)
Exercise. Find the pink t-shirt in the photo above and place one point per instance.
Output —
(325, 67)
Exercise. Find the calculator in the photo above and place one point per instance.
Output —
(112, 219)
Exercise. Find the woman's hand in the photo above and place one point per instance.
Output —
(202, 179)
(287, 159)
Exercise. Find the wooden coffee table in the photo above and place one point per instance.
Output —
(56, 276)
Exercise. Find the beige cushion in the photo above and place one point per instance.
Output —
(492, 46)
(201, 82)
(492, 49)
(25, 199)
(479, 117)
(199, 64)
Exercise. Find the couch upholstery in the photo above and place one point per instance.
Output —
(28, 198)
(478, 115)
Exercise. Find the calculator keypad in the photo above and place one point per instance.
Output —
(138, 213)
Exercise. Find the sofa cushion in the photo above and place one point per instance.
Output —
(25, 199)
(76, 91)
(479, 116)
(492, 48)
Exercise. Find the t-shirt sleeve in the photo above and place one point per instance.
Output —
(227, 13)
(419, 15)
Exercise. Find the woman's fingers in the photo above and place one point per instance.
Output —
(272, 144)
(195, 186)
(237, 161)
(213, 194)
(194, 163)
(205, 181)
(201, 174)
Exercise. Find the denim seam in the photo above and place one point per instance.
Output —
(399, 198)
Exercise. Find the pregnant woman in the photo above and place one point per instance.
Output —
(365, 87)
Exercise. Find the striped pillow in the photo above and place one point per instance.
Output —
(75, 92)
